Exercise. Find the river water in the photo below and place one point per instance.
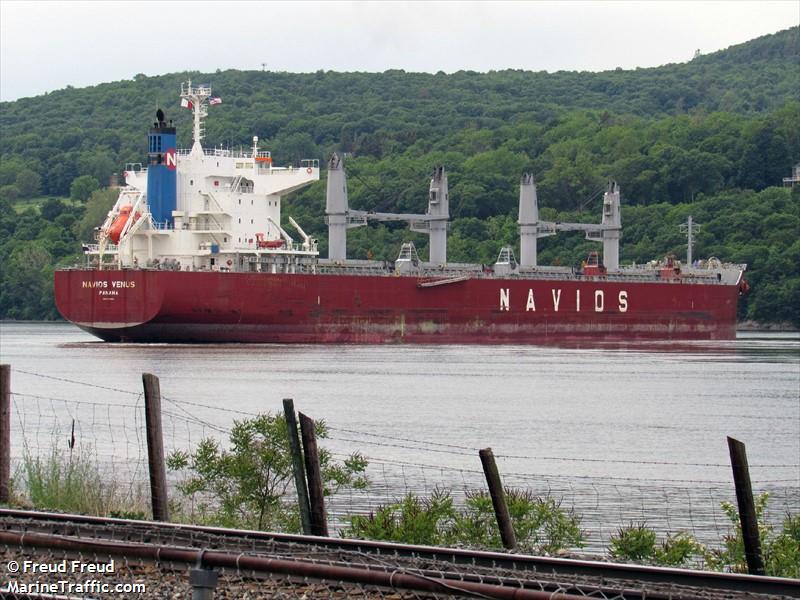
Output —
(620, 434)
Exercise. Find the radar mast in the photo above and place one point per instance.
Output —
(196, 98)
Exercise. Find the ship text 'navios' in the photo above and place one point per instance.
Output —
(194, 250)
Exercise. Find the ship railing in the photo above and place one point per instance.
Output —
(219, 152)
(195, 226)
(95, 249)
(309, 163)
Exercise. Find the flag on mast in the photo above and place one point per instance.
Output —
(186, 103)
(215, 100)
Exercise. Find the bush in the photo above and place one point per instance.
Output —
(413, 520)
(781, 552)
(247, 485)
(540, 524)
(635, 543)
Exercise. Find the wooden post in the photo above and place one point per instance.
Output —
(5, 433)
(297, 465)
(498, 499)
(747, 507)
(155, 447)
(319, 525)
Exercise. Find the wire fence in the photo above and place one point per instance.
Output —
(106, 427)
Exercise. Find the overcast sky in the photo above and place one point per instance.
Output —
(46, 46)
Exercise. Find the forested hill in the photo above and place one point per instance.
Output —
(96, 130)
(707, 136)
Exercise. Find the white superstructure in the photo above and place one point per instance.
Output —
(227, 208)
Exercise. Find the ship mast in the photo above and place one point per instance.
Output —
(689, 228)
(196, 97)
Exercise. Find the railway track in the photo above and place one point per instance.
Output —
(269, 559)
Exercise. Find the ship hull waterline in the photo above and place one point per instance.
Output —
(140, 305)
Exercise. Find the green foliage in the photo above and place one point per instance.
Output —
(638, 543)
(783, 552)
(247, 484)
(780, 551)
(97, 206)
(540, 524)
(28, 183)
(679, 550)
(52, 208)
(413, 520)
(71, 482)
(82, 187)
(712, 138)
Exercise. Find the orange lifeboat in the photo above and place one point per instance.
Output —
(268, 244)
(118, 224)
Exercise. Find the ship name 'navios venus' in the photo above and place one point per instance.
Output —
(194, 251)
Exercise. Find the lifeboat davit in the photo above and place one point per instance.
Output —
(118, 224)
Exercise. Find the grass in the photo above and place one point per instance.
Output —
(72, 482)
(23, 204)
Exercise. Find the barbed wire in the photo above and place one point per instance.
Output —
(84, 383)
(472, 450)
(115, 433)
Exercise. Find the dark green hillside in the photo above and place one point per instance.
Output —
(710, 137)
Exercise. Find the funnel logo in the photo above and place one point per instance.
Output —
(171, 159)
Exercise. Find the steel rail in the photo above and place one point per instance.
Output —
(211, 558)
(736, 582)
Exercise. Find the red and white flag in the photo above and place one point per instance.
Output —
(215, 100)
(185, 103)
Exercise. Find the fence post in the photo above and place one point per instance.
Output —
(297, 465)
(155, 447)
(498, 499)
(747, 507)
(5, 433)
(319, 525)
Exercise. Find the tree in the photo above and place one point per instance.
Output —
(82, 187)
(52, 208)
(28, 183)
(97, 207)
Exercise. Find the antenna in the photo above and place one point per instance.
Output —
(689, 228)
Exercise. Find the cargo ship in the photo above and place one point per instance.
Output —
(195, 251)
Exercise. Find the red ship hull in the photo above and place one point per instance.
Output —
(175, 306)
